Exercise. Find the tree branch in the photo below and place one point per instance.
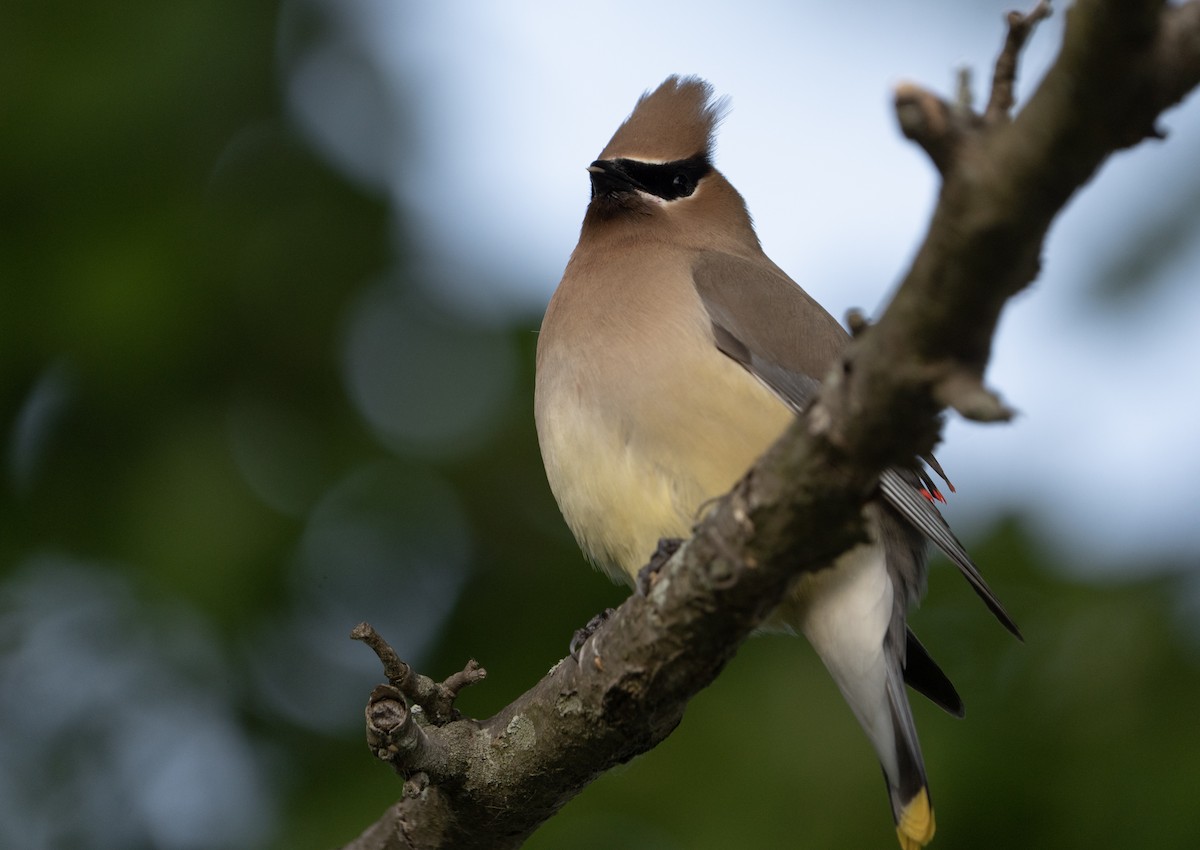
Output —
(490, 783)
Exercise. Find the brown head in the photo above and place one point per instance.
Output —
(655, 178)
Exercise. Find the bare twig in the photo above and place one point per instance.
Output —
(394, 669)
(942, 128)
(1004, 79)
(435, 698)
(469, 675)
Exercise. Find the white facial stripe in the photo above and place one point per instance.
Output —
(646, 160)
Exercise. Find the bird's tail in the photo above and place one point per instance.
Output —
(914, 824)
(874, 689)
(903, 767)
(849, 615)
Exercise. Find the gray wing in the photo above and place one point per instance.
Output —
(779, 334)
(768, 324)
(919, 511)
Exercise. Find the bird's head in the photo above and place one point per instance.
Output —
(655, 178)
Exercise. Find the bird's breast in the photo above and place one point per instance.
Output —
(641, 419)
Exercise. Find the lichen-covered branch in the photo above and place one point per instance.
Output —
(490, 783)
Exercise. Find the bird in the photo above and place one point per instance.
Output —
(672, 354)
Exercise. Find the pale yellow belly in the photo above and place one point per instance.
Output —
(632, 466)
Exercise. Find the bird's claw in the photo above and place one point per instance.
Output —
(647, 576)
(581, 635)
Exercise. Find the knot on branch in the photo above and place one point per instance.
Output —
(387, 719)
(932, 123)
(963, 391)
(857, 322)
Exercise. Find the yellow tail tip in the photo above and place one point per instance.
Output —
(916, 827)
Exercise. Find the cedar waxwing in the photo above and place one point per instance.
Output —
(672, 355)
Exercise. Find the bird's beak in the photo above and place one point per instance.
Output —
(609, 178)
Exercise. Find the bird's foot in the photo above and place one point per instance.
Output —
(647, 576)
(581, 635)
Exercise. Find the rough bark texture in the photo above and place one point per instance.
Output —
(490, 783)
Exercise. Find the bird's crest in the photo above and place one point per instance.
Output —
(675, 121)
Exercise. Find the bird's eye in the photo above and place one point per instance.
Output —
(669, 181)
